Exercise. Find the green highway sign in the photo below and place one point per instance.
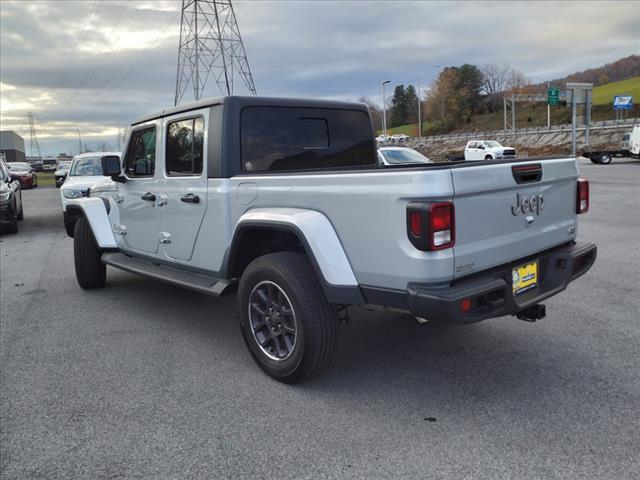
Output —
(553, 96)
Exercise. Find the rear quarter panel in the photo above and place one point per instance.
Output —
(367, 211)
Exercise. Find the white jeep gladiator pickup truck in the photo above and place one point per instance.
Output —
(283, 201)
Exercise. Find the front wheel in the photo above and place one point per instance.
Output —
(12, 225)
(90, 271)
(488, 157)
(285, 319)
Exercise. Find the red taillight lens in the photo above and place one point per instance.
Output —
(431, 226)
(441, 225)
(415, 224)
(582, 197)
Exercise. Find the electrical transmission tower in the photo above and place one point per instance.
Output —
(210, 46)
(34, 145)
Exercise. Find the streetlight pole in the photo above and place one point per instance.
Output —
(419, 114)
(384, 111)
(548, 108)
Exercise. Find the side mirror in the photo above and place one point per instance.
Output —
(110, 165)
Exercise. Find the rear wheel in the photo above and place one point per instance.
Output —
(90, 271)
(286, 322)
(604, 158)
(20, 215)
(488, 157)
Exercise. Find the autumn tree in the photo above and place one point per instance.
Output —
(444, 105)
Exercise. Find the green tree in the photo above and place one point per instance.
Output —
(469, 85)
(411, 98)
(398, 107)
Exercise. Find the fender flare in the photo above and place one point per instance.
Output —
(321, 243)
(96, 212)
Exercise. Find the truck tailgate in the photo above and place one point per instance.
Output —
(503, 215)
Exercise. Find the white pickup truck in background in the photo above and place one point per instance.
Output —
(487, 150)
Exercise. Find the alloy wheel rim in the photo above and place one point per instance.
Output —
(272, 321)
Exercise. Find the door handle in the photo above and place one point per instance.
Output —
(190, 198)
(149, 197)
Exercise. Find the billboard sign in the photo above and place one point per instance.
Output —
(623, 102)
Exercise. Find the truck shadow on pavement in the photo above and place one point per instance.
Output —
(383, 358)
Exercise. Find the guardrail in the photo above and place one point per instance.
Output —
(604, 125)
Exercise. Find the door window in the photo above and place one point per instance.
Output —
(185, 140)
(141, 153)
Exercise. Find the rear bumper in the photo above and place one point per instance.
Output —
(490, 292)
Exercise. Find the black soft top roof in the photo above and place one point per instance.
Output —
(237, 102)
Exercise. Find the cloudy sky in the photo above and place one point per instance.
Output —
(96, 65)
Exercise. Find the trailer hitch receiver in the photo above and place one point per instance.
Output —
(533, 313)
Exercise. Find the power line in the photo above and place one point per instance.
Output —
(140, 58)
(97, 57)
(64, 73)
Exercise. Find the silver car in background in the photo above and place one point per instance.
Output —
(400, 156)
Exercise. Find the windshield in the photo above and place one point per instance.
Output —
(626, 137)
(86, 166)
(398, 157)
(19, 167)
(64, 165)
(492, 144)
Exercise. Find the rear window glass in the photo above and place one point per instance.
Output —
(285, 138)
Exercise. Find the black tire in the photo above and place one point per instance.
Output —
(70, 228)
(488, 157)
(12, 226)
(90, 271)
(314, 320)
(20, 215)
(605, 158)
(595, 160)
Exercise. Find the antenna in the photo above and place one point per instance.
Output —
(34, 145)
(210, 45)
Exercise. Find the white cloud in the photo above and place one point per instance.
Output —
(100, 64)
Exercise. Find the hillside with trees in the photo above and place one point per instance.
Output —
(471, 97)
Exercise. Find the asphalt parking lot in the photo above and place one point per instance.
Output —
(144, 380)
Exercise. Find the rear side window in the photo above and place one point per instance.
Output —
(141, 153)
(285, 138)
(184, 147)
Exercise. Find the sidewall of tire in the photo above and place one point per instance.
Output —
(298, 366)
(90, 271)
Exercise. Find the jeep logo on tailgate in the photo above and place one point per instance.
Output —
(528, 204)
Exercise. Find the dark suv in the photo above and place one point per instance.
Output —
(10, 200)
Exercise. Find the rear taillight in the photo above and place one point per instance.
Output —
(431, 226)
(582, 196)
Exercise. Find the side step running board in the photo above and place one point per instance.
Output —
(182, 278)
